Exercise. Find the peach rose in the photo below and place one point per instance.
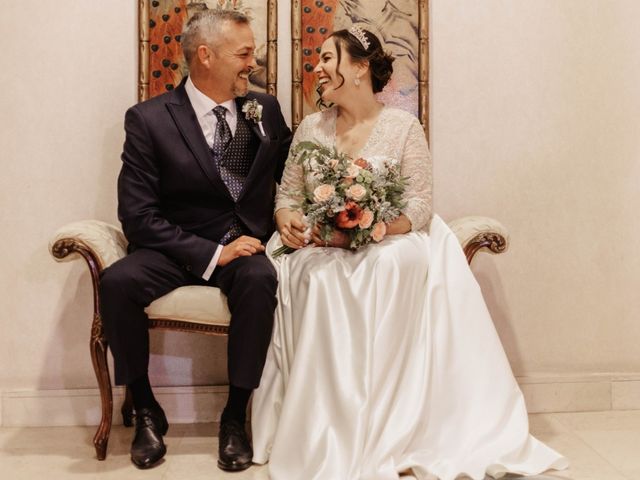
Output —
(357, 192)
(367, 219)
(379, 230)
(350, 216)
(323, 192)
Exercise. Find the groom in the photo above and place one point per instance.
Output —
(195, 198)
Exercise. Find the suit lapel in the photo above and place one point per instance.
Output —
(185, 118)
(262, 148)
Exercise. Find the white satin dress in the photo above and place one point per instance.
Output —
(385, 361)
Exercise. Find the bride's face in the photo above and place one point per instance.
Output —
(333, 85)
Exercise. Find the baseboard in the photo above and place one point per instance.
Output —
(82, 406)
(543, 394)
(581, 393)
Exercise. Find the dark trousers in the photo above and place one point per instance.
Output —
(132, 283)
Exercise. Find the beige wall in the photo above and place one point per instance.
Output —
(534, 121)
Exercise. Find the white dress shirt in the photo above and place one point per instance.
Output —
(203, 106)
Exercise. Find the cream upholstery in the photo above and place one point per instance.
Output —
(105, 240)
(201, 304)
(194, 304)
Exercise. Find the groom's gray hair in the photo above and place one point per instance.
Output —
(205, 28)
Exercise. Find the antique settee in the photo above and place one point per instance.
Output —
(199, 309)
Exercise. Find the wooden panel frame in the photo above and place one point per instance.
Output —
(143, 49)
(423, 63)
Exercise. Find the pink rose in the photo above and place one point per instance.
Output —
(350, 216)
(367, 219)
(379, 230)
(357, 192)
(323, 192)
(347, 181)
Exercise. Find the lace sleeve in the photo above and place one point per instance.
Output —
(416, 165)
(291, 189)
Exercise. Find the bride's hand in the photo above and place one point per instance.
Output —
(402, 224)
(338, 239)
(291, 228)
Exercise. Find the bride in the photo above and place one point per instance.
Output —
(384, 361)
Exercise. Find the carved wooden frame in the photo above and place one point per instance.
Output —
(98, 343)
(143, 48)
(423, 63)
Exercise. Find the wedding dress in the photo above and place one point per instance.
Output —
(385, 360)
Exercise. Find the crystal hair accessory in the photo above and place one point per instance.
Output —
(358, 32)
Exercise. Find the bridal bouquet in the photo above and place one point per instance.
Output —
(350, 195)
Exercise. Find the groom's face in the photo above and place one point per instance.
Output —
(234, 56)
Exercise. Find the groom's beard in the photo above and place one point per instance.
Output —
(241, 91)
(241, 86)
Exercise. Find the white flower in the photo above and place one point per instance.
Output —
(252, 110)
(353, 171)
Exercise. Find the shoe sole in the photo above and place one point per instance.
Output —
(233, 468)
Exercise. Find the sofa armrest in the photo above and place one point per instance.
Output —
(94, 240)
(480, 233)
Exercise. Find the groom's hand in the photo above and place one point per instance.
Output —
(243, 246)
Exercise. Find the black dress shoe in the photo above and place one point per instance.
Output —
(234, 450)
(148, 447)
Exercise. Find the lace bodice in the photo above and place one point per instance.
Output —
(397, 135)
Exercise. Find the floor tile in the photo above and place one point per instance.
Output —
(545, 423)
(599, 445)
(585, 462)
(619, 447)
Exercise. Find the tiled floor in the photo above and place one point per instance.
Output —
(600, 446)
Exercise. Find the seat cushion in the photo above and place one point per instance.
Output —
(195, 304)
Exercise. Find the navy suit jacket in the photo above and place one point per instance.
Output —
(170, 195)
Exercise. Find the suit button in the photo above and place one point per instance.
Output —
(188, 268)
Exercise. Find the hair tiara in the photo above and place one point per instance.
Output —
(358, 32)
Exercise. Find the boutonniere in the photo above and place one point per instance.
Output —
(253, 111)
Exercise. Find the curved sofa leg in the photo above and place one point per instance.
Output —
(62, 248)
(101, 368)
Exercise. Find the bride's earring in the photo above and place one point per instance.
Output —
(356, 81)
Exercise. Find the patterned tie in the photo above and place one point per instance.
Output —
(221, 141)
(222, 136)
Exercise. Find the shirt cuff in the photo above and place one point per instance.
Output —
(212, 264)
